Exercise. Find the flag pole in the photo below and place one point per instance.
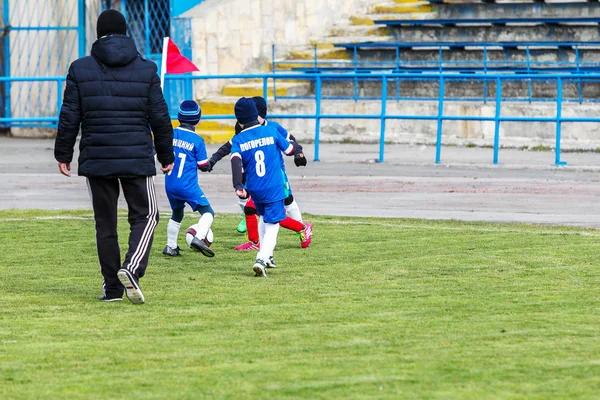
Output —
(163, 64)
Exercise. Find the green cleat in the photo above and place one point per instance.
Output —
(241, 228)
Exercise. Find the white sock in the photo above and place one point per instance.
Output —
(268, 242)
(293, 211)
(261, 228)
(242, 203)
(204, 224)
(172, 233)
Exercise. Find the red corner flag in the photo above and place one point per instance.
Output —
(173, 62)
(176, 63)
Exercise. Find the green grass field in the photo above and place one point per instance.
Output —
(376, 308)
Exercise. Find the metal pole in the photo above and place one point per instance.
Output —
(59, 97)
(355, 58)
(497, 119)
(124, 9)
(81, 28)
(7, 72)
(559, 90)
(528, 72)
(273, 68)
(485, 82)
(265, 88)
(383, 114)
(438, 143)
(578, 80)
(317, 117)
(146, 29)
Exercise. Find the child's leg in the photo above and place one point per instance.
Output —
(251, 222)
(173, 227)
(206, 219)
(292, 209)
(268, 240)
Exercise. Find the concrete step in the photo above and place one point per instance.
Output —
(364, 27)
(308, 53)
(402, 8)
(355, 39)
(218, 105)
(256, 89)
(215, 137)
(458, 89)
(545, 55)
(495, 34)
(368, 19)
(212, 131)
(518, 10)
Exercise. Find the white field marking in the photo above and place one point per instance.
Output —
(464, 228)
(334, 222)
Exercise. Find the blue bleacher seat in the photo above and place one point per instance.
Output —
(491, 21)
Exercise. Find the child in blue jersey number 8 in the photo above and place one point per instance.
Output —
(256, 151)
(181, 184)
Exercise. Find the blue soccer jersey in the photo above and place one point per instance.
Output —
(260, 149)
(181, 183)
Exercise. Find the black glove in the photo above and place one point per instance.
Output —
(208, 167)
(300, 160)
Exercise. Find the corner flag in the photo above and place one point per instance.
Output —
(173, 62)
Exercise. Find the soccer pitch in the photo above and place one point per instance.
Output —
(375, 308)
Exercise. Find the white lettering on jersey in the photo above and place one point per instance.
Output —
(252, 144)
(183, 144)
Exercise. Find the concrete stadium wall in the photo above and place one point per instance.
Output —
(512, 134)
(235, 36)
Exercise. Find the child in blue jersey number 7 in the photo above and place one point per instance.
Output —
(256, 151)
(181, 184)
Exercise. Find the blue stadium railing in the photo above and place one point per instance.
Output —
(382, 116)
(484, 64)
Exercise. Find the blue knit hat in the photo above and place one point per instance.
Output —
(189, 112)
(245, 111)
(261, 106)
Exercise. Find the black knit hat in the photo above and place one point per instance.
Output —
(261, 106)
(245, 111)
(111, 22)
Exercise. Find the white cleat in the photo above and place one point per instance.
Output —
(260, 268)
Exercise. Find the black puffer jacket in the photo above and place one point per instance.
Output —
(116, 97)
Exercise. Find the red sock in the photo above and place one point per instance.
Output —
(252, 227)
(290, 224)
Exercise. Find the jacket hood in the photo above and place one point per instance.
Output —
(114, 50)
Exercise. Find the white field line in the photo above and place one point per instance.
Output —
(337, 222)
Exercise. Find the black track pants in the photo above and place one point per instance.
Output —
(143, 218)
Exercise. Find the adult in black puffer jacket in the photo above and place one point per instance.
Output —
(115, 96)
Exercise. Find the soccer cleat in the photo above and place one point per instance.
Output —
(260, 268)
(170, 251)
(241, 228)
(306, 236)
(109, 299)
(132, 288)
(200, 245)
(271, 263)
(249, 246)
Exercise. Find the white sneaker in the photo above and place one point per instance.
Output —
(132, 288)
(271, 263)
(260, 268)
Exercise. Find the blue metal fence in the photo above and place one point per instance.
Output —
(383, 116)
(39, 39)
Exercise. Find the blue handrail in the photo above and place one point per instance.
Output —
(485, 64)
(383, 116)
